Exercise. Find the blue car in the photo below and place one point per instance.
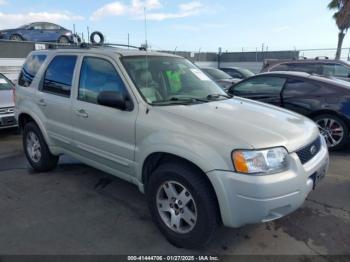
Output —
(39, 32)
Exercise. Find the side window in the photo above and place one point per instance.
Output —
(282, 67)
(59, 75)
(299, 87)
(30, 69)
(336, 70)
(261, 85)
(98, 75)
(37, 26)
(306, 68)
(49, 26)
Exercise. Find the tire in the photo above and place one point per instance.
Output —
(334, 129)
(16, 37)
(40, 157)
(203, 206)
(63, 40)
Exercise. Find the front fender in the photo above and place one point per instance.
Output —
(188, 147)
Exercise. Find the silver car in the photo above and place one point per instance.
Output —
(7, 115)
(156, 120)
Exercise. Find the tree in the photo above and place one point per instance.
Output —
(342, 18)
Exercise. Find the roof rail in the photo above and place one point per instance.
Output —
(71, 46)
(94, 44)
(322, 57)
(123, 45)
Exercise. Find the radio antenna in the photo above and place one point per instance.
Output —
(146, 42)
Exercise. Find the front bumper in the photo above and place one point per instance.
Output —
(8, 121)
(248, 199)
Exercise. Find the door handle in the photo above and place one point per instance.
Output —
(41, 102)
(82, 113)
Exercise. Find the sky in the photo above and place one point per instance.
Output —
(192, 25)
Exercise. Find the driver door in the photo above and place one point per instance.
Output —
(265, 89)
(103, 135)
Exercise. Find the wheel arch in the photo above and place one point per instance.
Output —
(24, 118)
(329, 112)
(156, 159)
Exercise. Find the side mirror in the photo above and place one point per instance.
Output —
(112, 99)
(231, 90)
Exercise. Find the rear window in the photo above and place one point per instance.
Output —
(5, 84)
(30, 69)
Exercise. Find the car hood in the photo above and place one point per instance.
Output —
(6, 98)
(250, 123)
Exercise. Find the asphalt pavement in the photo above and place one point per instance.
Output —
(77, 209)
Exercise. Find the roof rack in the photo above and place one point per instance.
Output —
(94, 44)
(322, 57)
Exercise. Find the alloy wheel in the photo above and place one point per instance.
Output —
(33, 147)
(331, 130)
(176, 207)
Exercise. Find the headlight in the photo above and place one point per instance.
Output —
(262, 162)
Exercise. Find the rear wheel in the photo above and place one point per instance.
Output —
(182, 205)
(334, 130)
(63, 40)
(36, 149)
(16, 38)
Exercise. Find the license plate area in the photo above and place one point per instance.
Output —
(318, 176)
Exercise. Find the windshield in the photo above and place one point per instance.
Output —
(4, 83)
(167, 80)
(216, 74)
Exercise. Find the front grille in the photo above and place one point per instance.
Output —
(4, 111)
(307, 153)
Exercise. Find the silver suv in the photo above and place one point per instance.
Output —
(156, 120)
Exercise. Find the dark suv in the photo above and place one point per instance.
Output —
(319, 66)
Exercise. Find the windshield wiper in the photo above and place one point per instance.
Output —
(216, 96)
(181, 101)
(189, 99)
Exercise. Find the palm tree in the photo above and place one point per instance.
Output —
(342, 18)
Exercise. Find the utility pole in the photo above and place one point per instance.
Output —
(88, 34)
(219, 57)
(128, 40)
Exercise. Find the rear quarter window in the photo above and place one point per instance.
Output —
(30, 69)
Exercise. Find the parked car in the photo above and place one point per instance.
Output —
(318, 66)
(7, 115)
(237, 72)
(39, 32)
(325, 101)
(156, 120)
(220, 77)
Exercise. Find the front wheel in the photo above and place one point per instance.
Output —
(16, 38)
(36, 149)
(183, 205)
(334, 130)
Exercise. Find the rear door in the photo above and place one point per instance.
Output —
(304, 96)
(54, 99)
(51, 32)
(266, 89)
(103, 135)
